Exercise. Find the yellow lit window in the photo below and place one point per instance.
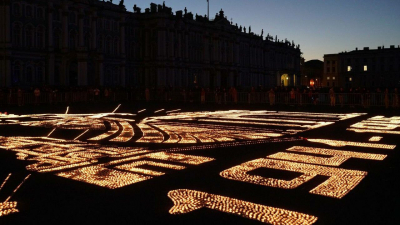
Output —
(365, 68)
(348, 68)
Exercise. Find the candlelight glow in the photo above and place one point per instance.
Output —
(189, 200)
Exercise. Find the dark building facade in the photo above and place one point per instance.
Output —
(92, 42)
(312, 72)
(363, 68)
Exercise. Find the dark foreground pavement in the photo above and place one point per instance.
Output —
(49, 199)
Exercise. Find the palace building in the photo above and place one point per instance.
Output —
(363, 68)
(93, 42)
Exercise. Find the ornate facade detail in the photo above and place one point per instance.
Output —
(79, 43)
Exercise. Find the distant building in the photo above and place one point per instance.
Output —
(81, 42)
(363, 68)
(312, 72)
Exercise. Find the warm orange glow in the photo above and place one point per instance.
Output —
(340, 182)
(186, 201)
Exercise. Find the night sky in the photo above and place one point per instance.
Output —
(319, 26)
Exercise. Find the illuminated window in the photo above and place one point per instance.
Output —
(365, 68)
(333, 78)
(348, 68)
(350, 79)
(328, 78)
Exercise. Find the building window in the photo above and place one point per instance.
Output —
(107, 26)
(350, 79)
(40, 37)
(116, 44)
(56, 15)
(57, 39)
(365, 68)
(29, 36)
(334, 78)
(72, 40)
(17, 73)
(109, 45)
(87, 41)
(328, 62)
(333, 69)
(40, 13)
(100, 43)
(328, 78)
(17, 33)
(28, 12)
(29, 74)
(16, 10)
(328, 69)
(72, 18)
(348, 68)
(39, 74)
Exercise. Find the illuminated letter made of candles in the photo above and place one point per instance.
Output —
(189, 200)
(336, 159)
(340, 182)
(377, 124)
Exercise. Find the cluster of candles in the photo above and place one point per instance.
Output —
(224, 126)
(340, 182)
(377, 124)
(338, 143)
(299, 159)
(375, 138)
(8, 207)
(335, 157)
(79, 160)
(189, 200)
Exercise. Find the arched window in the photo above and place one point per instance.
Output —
(16, 73)
(39, 73)
(40, 37)
(17, 33)
(56, 15)
(72, 40)
(29, 74)
(100, 43)
(57, 39)
(115, 76)
(108, 45)
(108, 77)
(29, 36)
(16, 9)
(88, 41)
(57, 74)
(72, 17)
(40, 13)
(116, 46)
(28, 11)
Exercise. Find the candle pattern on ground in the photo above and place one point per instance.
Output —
(186, 201)
(339, 183)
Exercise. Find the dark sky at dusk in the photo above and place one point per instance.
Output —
(319, 26)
